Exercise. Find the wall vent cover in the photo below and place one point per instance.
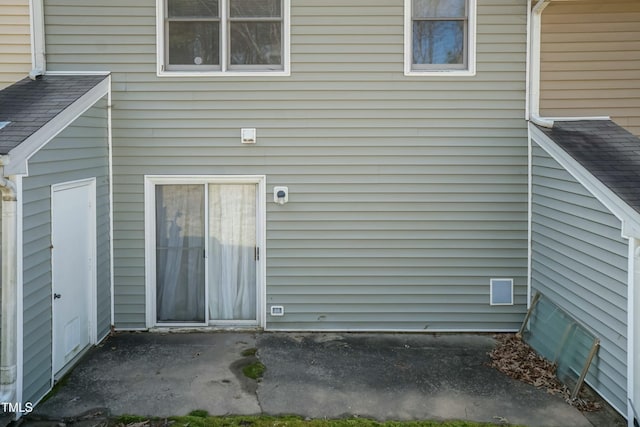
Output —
(501, 291)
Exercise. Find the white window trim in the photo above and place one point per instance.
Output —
(150, 181)
(160, 51)
(471, 47)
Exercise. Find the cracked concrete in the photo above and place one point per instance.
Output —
(159, 375)
(316, 375)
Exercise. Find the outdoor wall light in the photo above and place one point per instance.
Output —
(280, 195)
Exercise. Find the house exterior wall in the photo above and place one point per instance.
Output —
(15, 41)
(590, 60)
(407, 194)
(580, 262)
(79, 152)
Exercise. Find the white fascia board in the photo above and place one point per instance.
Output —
(18, 158)
(630, 217)
(78, 73)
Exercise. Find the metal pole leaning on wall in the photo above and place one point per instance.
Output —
(536, 298)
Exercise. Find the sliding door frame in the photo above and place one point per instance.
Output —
(150, 182)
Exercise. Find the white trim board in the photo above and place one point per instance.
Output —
(16, 162)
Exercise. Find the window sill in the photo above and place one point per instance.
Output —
(285, 73)
(439, 73)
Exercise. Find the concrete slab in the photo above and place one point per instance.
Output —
(316, 375)
(399, 377)
(159, 375)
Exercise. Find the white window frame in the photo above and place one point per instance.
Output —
(440, 70)
(223, 70)
(150, 182)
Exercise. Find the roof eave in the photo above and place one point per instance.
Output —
(16, 161)
(629, 217)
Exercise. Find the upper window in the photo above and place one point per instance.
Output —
(230, 36)
(440, 37)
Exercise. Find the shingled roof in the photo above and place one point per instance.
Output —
(608, 151)
(29, 104)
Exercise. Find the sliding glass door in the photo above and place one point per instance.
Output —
(233, 252)
(206, 253)
(180, 251)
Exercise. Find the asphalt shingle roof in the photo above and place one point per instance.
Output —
(30, 104)
(608, 151)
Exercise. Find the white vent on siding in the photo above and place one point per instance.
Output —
(277, 310)
(501, 291)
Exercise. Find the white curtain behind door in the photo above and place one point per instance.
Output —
(232, 265)
(180, 253)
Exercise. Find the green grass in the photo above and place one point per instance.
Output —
(249, 352)
(254, 370)
(201, 419)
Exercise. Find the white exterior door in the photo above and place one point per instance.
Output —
(73, 239)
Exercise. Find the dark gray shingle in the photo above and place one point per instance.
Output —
(30, 104)
(608, 151)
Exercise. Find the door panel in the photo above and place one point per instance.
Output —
(73, 241)
(232, 247)
(180, 290)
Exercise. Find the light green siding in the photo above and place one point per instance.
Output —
(79, 152)
(579, 261)
(407, 194)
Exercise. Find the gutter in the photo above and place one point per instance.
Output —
(38, 56)
(8, 345)
(534, 81)
(534, 89)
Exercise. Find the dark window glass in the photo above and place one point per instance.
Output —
(194, 43)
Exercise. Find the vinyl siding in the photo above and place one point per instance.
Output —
(406, 194)
(591, 60)
(579, 261)
(79, 152)
(15, 41)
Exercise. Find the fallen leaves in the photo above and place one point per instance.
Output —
(515, 358)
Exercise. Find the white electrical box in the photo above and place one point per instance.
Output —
(281, 195)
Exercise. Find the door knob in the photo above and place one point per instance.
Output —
(57, 296)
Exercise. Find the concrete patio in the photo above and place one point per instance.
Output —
(381, 376)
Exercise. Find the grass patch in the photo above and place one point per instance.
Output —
(254, 370)
(286, 421)
(249, 352)
(199, 413)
